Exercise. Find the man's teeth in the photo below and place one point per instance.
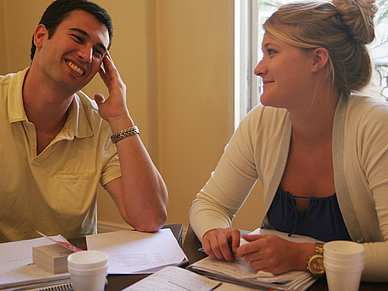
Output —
(75, 68)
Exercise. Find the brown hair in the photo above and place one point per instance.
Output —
(343, 27)
(57, 11)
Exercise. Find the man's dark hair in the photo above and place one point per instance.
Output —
(60, 9)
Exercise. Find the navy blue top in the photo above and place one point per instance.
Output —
(322, 221)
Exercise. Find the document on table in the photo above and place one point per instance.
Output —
(17, 268)
(284, 235)
(179, 279)
(134, 252)
(174, 279)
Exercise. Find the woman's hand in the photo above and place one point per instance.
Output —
(221, 243)
(273, 254)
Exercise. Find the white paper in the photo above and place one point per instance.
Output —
(234, 287)
(294, 237)
(174, 279)
(133, 252)
(16, 263)
(239, 268)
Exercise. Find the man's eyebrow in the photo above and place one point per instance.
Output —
(84, 33)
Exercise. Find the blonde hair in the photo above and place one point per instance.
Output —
(343, 27)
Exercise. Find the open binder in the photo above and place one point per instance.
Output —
(238, 272)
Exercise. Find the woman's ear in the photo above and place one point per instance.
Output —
(320, 59)
(40, 34)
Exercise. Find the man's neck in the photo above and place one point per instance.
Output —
(46, 107)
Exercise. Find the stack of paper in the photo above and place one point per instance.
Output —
(133, 252)
(239, 272)
(17, 270)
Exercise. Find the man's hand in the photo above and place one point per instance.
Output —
(140, 193)
(114, 107)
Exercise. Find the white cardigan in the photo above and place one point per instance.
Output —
(259, 150)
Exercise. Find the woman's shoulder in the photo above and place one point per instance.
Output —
(371, 107)
(263, 121)
(367, 114)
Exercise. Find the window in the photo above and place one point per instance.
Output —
(246, 84)
(379, 50)
(249, 18)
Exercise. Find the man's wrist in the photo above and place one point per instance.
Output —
(120, 122)
(116, 137)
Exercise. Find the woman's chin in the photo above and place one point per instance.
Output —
(265, 100)
(270, 102)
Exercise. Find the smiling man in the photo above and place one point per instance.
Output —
(58, 144)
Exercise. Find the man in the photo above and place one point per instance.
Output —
(57, 143)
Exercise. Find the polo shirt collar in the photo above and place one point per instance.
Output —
(77, 124)
(16, 110)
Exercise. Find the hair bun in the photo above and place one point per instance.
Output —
(357, 16)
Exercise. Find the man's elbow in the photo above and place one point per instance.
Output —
(152, 222)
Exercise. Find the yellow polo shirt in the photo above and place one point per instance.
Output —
(53, 192)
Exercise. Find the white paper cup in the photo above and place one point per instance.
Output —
(343, 269)
(343, 278)
(348, 260)
(88, 270)
(344, 250)
(344, 263)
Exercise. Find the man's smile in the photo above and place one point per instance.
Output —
(75, 67)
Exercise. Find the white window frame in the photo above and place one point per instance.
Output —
(246, 84)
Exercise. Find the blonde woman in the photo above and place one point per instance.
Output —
(319, 149)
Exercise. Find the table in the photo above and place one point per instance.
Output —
(191, 245)
(119, 282)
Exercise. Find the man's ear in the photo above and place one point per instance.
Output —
(41, 33)
(320, 59)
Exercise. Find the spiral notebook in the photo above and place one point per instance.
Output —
(61, 287)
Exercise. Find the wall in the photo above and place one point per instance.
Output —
(3, 41)
(176, 58)
(196, 96)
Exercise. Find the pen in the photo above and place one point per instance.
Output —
(215, 287)
(202, 250)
